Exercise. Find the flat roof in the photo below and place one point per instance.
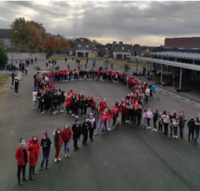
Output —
(166, 62)
(193, 56)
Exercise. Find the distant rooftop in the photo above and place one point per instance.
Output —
(184, 42)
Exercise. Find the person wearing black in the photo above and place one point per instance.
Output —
(85, 104)
(85, 127)
(13, 77)
(132, 115)
(35, 60)
(16, 82)
(76, 106)
(155, 118)
(76, 128)
(191, 127)
(42, 100)
(45, 144)
(39, 100)
(92, 126)
(139, 116)
(196, 130)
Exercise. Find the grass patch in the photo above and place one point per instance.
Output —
(5, 82)
(62, 57)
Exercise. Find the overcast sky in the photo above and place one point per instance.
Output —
(145, 23)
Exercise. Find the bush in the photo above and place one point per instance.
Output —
(10, 67)
(3, 58)
(38, 68)
(57, 67)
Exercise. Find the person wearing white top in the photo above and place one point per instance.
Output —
(147, 93)
(34, 94)
(149, 116)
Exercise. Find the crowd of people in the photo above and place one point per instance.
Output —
(130, 110)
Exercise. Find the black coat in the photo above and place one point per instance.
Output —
(45, 144)
(191, 124)
(85, 127)
(139, 113)
(76, 128)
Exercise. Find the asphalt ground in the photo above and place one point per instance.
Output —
(127, 158)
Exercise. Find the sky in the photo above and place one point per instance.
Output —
(145, 23)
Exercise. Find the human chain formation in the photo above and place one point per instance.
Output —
(130, 110)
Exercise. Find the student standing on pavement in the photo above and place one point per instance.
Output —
(155, 118)
(57, 143)
(34, 152)
(196, 130)
(182, 120)
(66, 137)
(76, 128)
(191, 127)
(34, 94)
(166, 121)
(147, 94)
(149, 116)
(154, 91)
(85, 127)
(22, 158)
(45, 145)
(92, 126)
(175, 126)
(16, 83)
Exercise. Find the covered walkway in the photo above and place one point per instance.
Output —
(163, 63)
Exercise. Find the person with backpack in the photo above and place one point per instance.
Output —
(45, 145)
(16, 83)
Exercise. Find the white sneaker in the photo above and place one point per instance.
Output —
(55, 160)
(76, 116)
(155, 130)
(177, 137)
(65, 155)
(68, 154)
(42, 113)
(72, 115)
(61, 111)
(148, 127)
(58, 159)
(54, 112)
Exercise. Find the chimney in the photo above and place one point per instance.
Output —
(114, 42)
(120, 42)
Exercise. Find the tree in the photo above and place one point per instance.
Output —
(52, 44)
(3, 57)
(146, 53)
(64, 44)
(27, 33)
(95, 42)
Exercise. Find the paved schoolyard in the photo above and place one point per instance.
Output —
(126, 158)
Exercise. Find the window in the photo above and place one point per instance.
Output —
(79, 45)
(122, 47)
(87, 46)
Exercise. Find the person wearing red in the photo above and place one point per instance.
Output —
(102, 120)
(68, 102)
(57, 143)
(115, 113)
(66, 135)
(110, 115)
(22, 158)
(124, 111)
(34, 151)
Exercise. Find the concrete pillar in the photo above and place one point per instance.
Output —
(161, 76)
(192, 73)
(180, 79)
(136, 66)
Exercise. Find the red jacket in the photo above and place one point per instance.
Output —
(109, 114)
(57, 73)
(19, 155)
(66, 135)
(102, 105)
(104, 117)
(69, 92)
(124, 109)
(68, 102)
(34, 151)
(114, 111)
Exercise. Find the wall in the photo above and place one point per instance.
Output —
(122, 53)
(22, 56)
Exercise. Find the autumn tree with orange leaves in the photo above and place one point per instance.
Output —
(52, 44)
